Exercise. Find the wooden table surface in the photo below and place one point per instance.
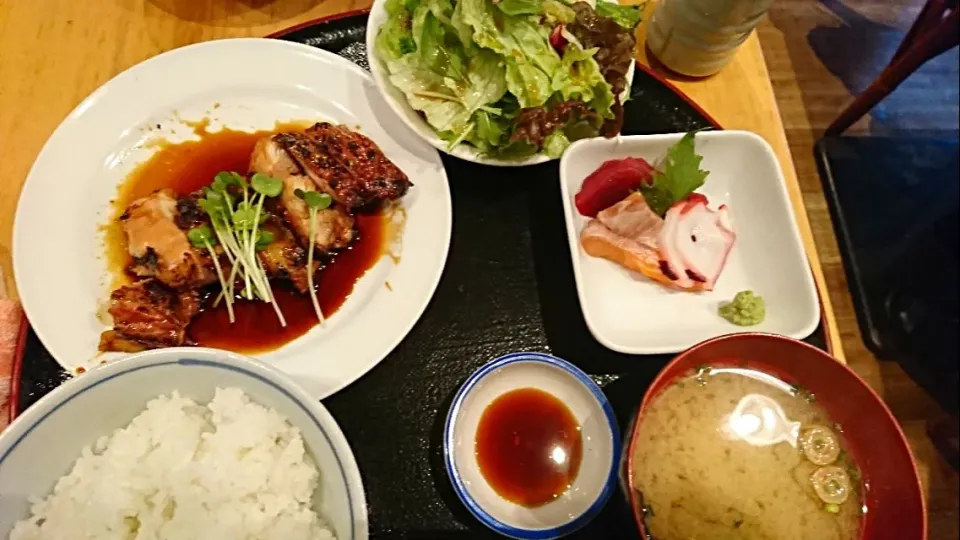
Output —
(53, 53)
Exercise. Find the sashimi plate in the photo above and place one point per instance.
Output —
(632, 314)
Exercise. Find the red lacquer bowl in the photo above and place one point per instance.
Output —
(894, 498)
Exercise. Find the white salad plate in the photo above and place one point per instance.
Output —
(629, 313)
(398, 102)
(245, 84)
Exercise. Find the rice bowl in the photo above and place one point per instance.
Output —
(227, 435)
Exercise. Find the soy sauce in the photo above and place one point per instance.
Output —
(529, 447)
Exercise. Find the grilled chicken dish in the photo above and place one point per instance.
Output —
(291, 212)
(345, 164)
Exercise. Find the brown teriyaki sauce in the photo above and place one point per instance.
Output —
(188, 166)
(529, 447)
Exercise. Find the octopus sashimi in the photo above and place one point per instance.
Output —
(696, 241)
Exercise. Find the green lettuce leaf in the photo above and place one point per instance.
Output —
(516, 38)
(449, 104)
(442, 53)
(528, 83)
(395, 37)
(558, 12)
(533, 44)
(489, 129)
(490, 132)
(520, 7)
(429, 93)
(441, 9)
(579, 78)
(480, 15)
(462, 29)
(486, 81)
(395, 6)
(625, 16)
(555, 144)
(581, 129)
(578, 74)
(517, 149)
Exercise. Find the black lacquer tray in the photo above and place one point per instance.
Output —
(508, 286)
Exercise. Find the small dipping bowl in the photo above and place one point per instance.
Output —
(599, 433)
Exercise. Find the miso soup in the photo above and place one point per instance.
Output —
(734, 453)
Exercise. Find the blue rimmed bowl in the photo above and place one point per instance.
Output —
(42, 444)
(593, 484)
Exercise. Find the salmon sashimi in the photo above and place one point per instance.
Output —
(599, 241)
(634, 219)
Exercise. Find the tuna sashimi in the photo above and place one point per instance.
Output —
(612, 182)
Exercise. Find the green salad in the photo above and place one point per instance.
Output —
(512, 78)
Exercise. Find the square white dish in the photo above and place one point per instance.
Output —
(631, 314)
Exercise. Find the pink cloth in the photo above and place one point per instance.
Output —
(12, 326)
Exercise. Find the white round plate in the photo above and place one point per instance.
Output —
(398, 102)
(247, 84)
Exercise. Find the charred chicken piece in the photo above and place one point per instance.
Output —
(270, 157)
(189, 213)
(334, 226)
(149, 315)
(159, 247)
(345, 164)
(380, 178)
(113, 341)
(284, 258)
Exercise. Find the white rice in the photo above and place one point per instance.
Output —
(231, 469)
